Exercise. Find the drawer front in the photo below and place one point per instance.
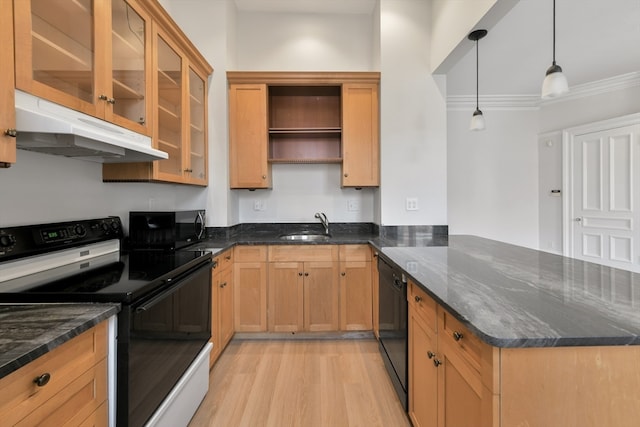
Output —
(20, 396)
(250, 253)
(458, 337)
(355, 253)
(224, 260)
(303, 253)
(423, 305)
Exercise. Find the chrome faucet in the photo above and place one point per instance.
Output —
(325, 222)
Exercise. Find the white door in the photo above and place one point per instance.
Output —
(604, 197)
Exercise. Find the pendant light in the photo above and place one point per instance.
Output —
(555, 83)
(477, 120)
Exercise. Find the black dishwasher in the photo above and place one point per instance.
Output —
(392, 308)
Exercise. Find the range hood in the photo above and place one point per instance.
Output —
(50, 128)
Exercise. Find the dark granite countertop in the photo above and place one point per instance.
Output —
(512, 296)
(28, 331)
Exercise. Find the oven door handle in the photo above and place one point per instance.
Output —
(165, 292)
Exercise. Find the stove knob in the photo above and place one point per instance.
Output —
(105, 227)
(79, 230)
(7, 240)
(115, 226)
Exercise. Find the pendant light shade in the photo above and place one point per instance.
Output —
(555, 82)
(477, 120)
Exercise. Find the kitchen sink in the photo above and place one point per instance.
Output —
(305, 237)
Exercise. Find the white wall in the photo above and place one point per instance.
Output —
(493, 176)
(413, 118)
(549, 203)
(42, 188)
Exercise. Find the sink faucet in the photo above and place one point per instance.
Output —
(323, 219)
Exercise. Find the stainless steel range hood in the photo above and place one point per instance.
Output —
(50, 128)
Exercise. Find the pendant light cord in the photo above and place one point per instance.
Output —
(554, 33)
(477, 78)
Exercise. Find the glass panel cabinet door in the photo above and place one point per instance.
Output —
(129, 83)
(169, 124)
(197, 117)
(63, 46)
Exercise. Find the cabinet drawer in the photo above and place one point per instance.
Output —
(423, 304)
(224, 259)
(458, 337)
(77, 384)
(355, 253)
(250, 254)
(302, 253)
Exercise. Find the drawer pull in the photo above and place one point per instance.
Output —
(437, 362)
(343, 274)
(418, 298)
(42, 380)
(457, 335)
(431, 354)
(228, 257)
(222, 285)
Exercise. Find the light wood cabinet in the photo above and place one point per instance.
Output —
(250, 287)
(304, 117)
(248, 144)
(180, 93)
(423, 378)
(76, 392)
(222, 304)
(7, 102)
(303, 288)
(355, 288)
(93, 57)
(360, 135)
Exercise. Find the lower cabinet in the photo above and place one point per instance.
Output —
(451, 381)
(76, 390)
(356, 311)
(250, 288)
(221, 304)
(303, 288)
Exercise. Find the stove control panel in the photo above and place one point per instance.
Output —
(18, 242)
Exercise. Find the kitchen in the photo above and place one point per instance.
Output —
(504, 198)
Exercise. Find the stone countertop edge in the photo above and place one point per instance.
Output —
(58, 323)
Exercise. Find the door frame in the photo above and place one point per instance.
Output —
(568, 137)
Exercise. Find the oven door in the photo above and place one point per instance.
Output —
(158, 339)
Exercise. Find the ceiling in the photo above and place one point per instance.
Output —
(596, 39)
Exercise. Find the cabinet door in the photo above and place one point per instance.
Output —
(169, 128)
(460, 390)
(128, 100)
(196, 171)
(248, 139)
(355, 296)
(225, 306)
(423, 374)
(7, 102)
(321, 294)
(250, 287)
(286, 292)
(56, 51)
(360, 135)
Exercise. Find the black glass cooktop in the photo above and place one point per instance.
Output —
(109, 278)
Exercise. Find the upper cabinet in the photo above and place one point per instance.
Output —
(7, 111)
(91, 56)
(306, 117)
(179, 114)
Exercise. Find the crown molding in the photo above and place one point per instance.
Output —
(534, 102)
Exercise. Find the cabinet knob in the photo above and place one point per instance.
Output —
(306, 274)
(300, 274)
(42, 380)
(11, 132)
(188, 170)
(264, 176)
(418, 298)
(343, 274)
(111, 101)
(228, 257)
(437, 362)
(103, 97)
(457, 335)
(346, 175)
(431, 354)
(222, 285)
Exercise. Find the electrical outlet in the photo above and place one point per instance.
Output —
(259, 205)
(412, 203)
(353, 205)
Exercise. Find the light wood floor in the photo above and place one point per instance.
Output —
(301, 383)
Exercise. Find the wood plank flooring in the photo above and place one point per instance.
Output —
(300, 383)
